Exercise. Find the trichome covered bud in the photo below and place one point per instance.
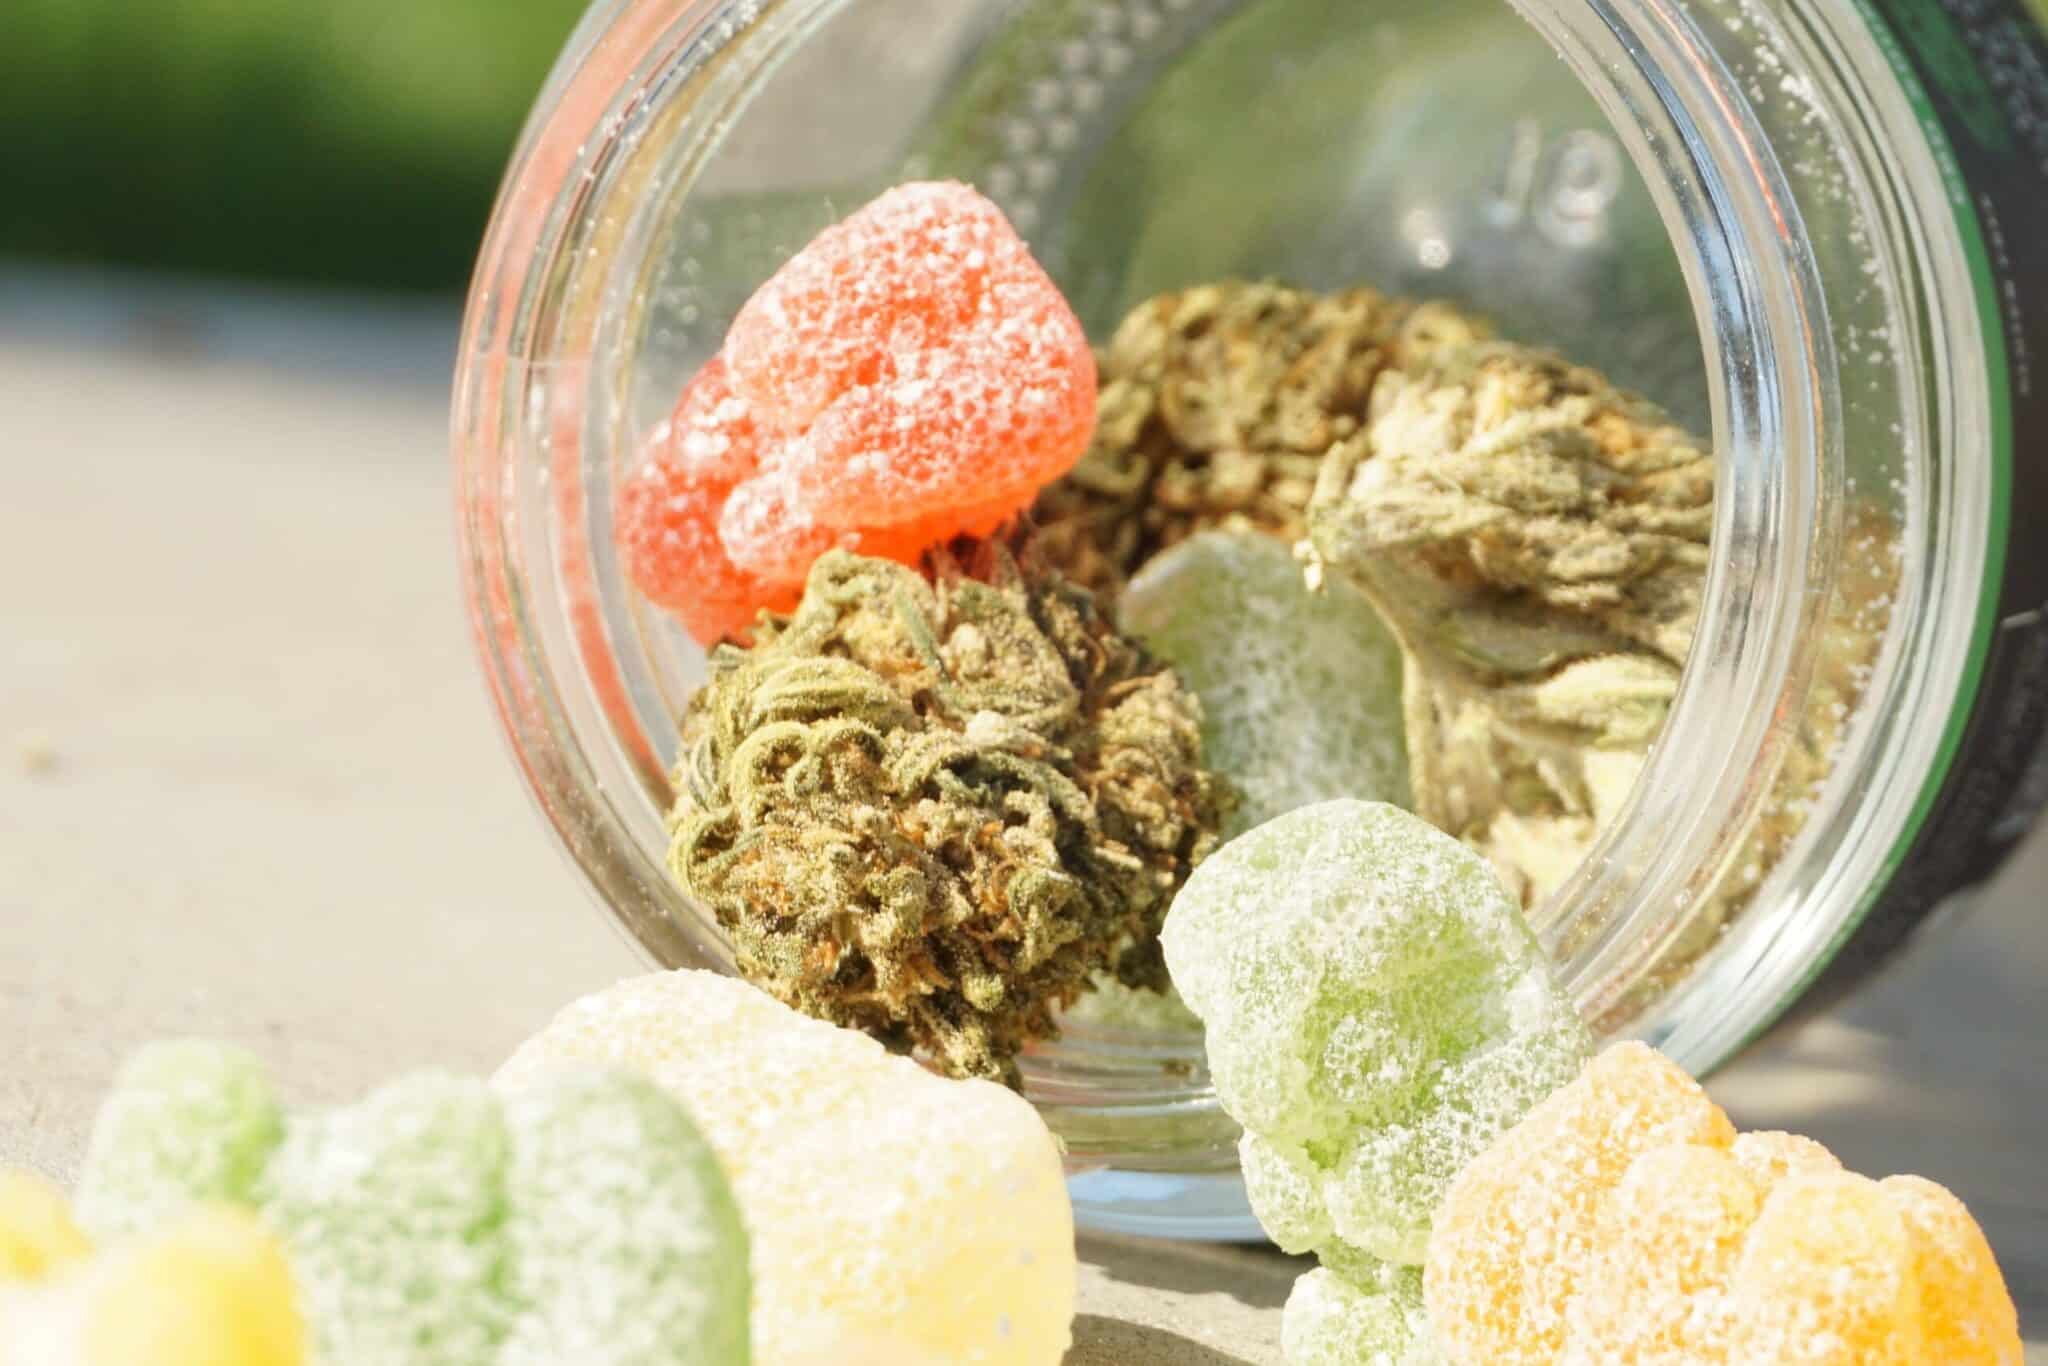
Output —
(929, 810)
(1218, 406)
(1537, 540)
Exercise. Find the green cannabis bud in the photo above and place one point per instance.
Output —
(1217, 409)
(1537, 540)
(929, 810)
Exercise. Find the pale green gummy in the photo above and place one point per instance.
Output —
(584, 1219)
(623, 1233)
(1300, 690)
(188, 1122)
(393, 1211)
(1376, 1012)
(1370, 1317)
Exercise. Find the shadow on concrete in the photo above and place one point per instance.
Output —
(1100, 1341)
(1257, 1276)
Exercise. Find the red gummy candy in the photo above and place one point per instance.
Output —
(712, 432)
(912, 375)
(917, 368)
(666, 521)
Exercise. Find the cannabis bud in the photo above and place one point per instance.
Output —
(928, 810)
(1537, 540)
(1218, 406)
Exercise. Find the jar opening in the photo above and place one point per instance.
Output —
(1720, 206)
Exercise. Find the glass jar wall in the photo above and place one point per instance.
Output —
(1755, 215)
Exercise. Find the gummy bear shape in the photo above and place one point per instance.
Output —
(1376, 1012)
(1625, 1223)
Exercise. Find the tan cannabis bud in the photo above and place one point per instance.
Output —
(929, 810)
(1218, 406)
(1537, 540)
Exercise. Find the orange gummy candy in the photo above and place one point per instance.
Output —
(1825, 1279)
(1966, 1312)
(1624, 1223)
(1669, 1235)
(1520, 1224)
(1771, 1155)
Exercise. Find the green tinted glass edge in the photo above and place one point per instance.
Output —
(1990, 320)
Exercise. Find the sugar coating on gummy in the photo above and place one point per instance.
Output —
(914, 358)
(1966, 1312)
(886, 1205)
(1668, 1235)
(1300, 690)
(1624, 1223)
(1518, 1228)
(911, 375)
(625, 1243)
(1825, 1276)
(188, 1121)
(1376, 1013)
(1372, 1319)
(393, 1208)
(666, 516)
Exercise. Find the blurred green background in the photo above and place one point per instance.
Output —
(336, 142)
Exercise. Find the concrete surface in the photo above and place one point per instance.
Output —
(250, 787)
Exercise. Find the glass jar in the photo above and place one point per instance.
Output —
(1814, 228)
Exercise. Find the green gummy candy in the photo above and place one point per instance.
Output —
(1363, 1316)
(1300, 690)
(626, 1244)
(1376, 1012)
(394, 1211)
(187, 1122)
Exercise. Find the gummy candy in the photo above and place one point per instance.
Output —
(1301, 691)
(1769, 1156)
(210, 1289)
(214, 1289)
(667, 513)
(910, 376)
(585, 1220)
(886, 1205)
(187, 1122)
(1333, 1319)
(37, 1235)
(624, 1237)
(1518, 1228)
(1624, 1223)
(391, 1208)
(1966, 1313)
(1377, 1011)
(1668, 1235)
(1826, 1275)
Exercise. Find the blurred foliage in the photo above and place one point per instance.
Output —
(349, 142)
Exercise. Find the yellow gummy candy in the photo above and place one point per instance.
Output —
(1669, 1235)
(1966, 1313)
(37, 1235)
(213, 1290)
(1519, 1226)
